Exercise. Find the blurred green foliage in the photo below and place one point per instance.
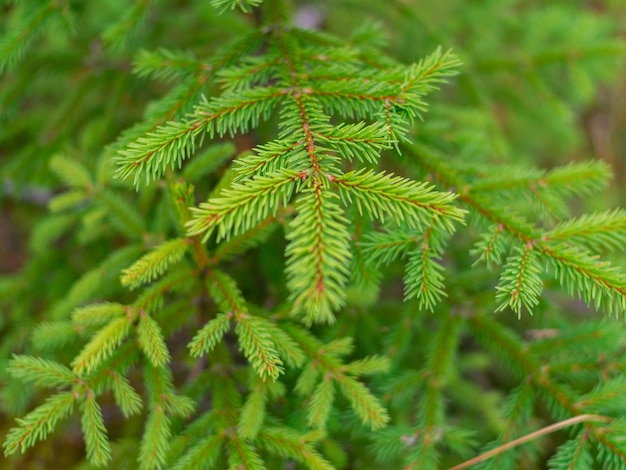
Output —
(527, 135)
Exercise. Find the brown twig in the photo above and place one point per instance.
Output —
(529, 437)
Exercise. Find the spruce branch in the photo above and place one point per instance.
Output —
(123, 215)
(243, 206)
(204, 453)
(154, 263)
(168, 65)
(41, 372)
(125, 395)
(163, 403)
(97, 314)
(598, 282)
(424, 276)
(243, 455)
(156, 439)
(245, 5)
(257, 345)
(520, 284)
(400, 199)
(71, 172)
(94, 431)
(286, 346)
(101, 345)
(596, 231)
(382, 248)
(254, 333)
(151, 340)
(574, 454)
(560, 399)
(175, 141)
(534, 435)
(321, 403)
(318, 256)
(430, 418)
(364, 403)
(251, 239)
(287, 443)
(32, 22)
(492, 246)
(118, 33)
(269, 158)
(326, 364)
(37, 424)
(210, 335)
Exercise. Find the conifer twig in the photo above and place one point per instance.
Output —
(532, 436)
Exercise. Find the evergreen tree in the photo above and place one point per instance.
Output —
(233, 201)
